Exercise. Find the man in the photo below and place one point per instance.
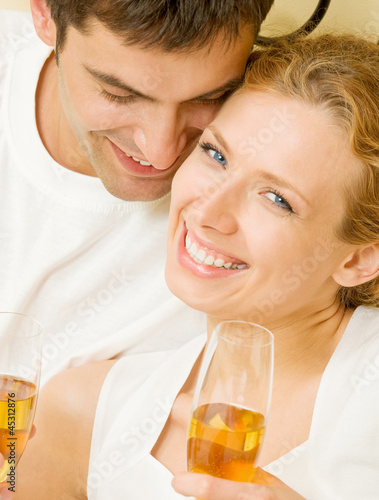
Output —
(115, 97)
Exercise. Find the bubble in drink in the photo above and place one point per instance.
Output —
(224, 441)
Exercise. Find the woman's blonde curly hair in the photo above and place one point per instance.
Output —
(339, 74)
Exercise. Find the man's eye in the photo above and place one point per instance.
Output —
(117, 98)
(214, 100)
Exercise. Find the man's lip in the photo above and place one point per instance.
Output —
(134, 167)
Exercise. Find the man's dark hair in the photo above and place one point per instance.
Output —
(169, 25)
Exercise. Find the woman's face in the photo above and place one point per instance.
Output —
(254, 211)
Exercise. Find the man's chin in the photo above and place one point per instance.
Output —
(140, 190)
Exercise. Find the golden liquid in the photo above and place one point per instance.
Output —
(17, 405)
(224, 441)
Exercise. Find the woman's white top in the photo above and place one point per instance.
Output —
(340, 460)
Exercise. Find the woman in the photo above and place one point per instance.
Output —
(274, 219)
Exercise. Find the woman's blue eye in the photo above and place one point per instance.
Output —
(210, 150)
(217, 156)
(279, 200)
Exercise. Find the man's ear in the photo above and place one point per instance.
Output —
(358, 267)
(44, 25)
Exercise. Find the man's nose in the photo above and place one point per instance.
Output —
(164, 137)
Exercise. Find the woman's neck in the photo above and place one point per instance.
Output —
(304, 340)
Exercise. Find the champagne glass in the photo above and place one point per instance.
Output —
(231, 402)
(20, 370)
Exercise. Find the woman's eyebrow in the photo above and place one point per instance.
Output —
(264, 174)
(281, 182)
(219, 138)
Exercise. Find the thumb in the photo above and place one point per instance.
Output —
(5, 494)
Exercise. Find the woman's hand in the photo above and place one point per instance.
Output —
(5, 494)
(265, 487)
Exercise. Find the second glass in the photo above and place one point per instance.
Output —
(231, 402)
(20, 369)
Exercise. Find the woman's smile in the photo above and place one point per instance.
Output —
(204, 258)
(252, 218)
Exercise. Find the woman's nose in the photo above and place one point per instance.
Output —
(218, 207)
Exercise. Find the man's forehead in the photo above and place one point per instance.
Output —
(148, 72)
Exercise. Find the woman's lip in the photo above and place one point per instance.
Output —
(134, 167)
(201, 270)
(211, 248)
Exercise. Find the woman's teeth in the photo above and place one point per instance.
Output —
(201, 257)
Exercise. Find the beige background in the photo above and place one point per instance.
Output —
(359, 16)
(14, 4)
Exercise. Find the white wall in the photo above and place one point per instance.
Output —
(358, 15)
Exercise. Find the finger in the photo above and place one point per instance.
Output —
(267, 479)
(32, 433)
(5, 494)
(211, 488)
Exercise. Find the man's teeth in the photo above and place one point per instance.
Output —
(145, 163)
(200, 256)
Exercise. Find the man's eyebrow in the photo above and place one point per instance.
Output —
(226, 88)
(113, 81)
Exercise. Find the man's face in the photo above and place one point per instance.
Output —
(136, 113)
